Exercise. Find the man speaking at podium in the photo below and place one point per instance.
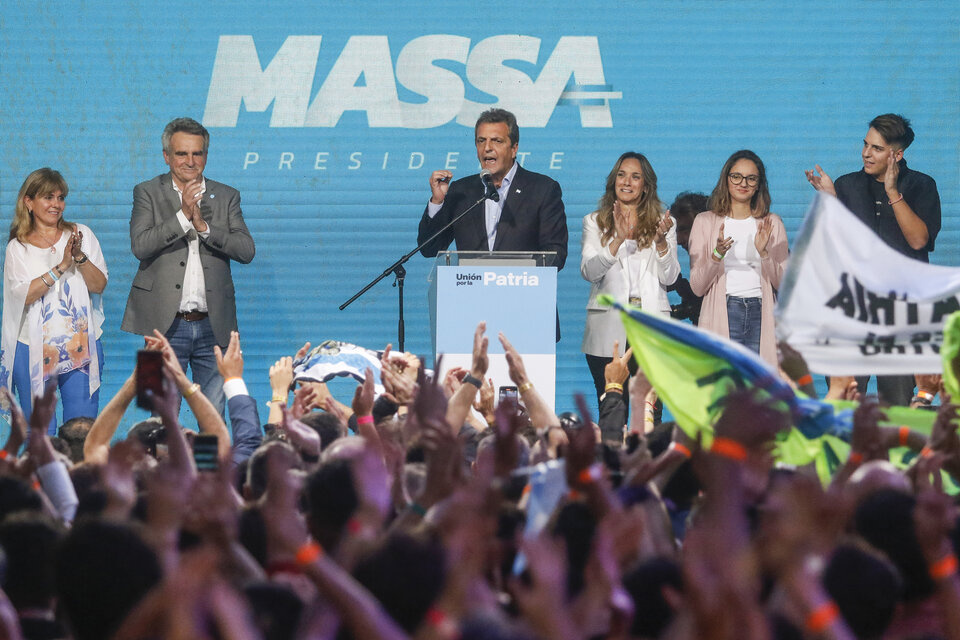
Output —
(529, 215)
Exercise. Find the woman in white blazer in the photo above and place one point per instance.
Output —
(629, 250)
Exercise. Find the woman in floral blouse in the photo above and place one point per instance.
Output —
(53, 277)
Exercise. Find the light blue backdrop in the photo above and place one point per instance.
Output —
(360, 101)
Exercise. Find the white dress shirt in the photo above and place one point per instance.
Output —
(194, 294)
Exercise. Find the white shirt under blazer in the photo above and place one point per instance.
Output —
(634, 271)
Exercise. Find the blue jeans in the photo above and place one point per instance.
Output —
(743, 317)
(193, 343)
(74, 389)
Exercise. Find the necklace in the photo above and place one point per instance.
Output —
(52, 244)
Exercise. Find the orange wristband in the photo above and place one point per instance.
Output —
(590, 475)
(4, 454)
(309, 553)
(904, 433)
(926, 452)
(442, 623)
(944, 567)
(682, 448)
(926, 395)
(855, 457)
(233, 378)
(727, 448)
(804, 380)
(822, 617)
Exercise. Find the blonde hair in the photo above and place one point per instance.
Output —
(649, 208)
(39, 183)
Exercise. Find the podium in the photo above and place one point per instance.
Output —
(515, 293)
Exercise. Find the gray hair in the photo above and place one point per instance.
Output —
(184, 125)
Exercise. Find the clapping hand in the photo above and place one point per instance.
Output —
(820, 181)
(724, 243)
(663, 227)
(890, 176)
(760, 240)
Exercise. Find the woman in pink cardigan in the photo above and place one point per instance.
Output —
(738, 251)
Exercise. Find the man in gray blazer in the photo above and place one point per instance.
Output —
(185, 230)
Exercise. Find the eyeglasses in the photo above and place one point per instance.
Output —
(737, 178)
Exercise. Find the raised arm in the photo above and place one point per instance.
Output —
(541, 417)
(460, 403)
(97, 445)
(208, 418)
(244, 419)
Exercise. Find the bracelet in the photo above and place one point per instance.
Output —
(728, 448)
(279, 399)
(58, 269)
(417, 509)
(893, 202)
(233, 378)
(682, 448)
(53, 275)
(365, 419)
(822, 617)
(526, 386)
(591, 474)
(925, 397)
(717, 255)
(309, 553)
(926, 452)
(665, 252)
(82, 259)
(442, 624)
(469, 379)
(944, 567)
(192, 390)
(4, 454)
(804, 380)
(856, 458)
(49, 284)
(614, 386)
(904, 433)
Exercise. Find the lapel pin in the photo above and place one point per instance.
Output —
(212, 196)
(518, 190)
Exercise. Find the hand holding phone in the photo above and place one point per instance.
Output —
(205, 452)
(149, 377)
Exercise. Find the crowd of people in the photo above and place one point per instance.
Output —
(421, 513)
(430, 510)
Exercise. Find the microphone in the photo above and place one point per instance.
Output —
(491, 191)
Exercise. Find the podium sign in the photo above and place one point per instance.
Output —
(520, 301)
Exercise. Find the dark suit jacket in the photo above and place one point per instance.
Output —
(159, 242)
(245, 422)
(533, 218)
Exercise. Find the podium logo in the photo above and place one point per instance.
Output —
(365, 78)
(510, 280)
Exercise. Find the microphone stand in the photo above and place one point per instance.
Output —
(397, 267)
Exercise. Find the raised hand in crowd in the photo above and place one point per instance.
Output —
(541, 417)
(304, 440)
(18, 424)
(484, 404)
(209, 420)
(843, 388)
(230, 363)
(470, 383)
(398, 374)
